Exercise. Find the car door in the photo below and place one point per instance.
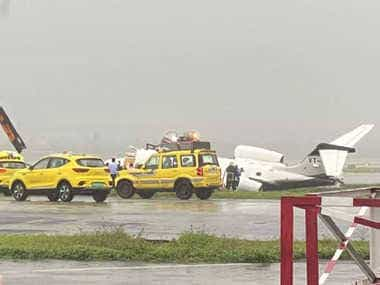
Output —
(52, 175)
(35, 178)
(148, 178)
(169, 171)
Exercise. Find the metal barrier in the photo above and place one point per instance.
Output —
(314, 204)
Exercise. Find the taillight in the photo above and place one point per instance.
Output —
(200, 171)
(3, 170)
(81, 170)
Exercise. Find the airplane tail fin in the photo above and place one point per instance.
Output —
(334, 154)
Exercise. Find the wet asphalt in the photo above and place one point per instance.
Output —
(64, 272)
(153, 219)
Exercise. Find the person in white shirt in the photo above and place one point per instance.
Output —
(113, 169)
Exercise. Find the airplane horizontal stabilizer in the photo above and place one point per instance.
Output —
(334, 155)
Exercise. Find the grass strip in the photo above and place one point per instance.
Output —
(189, 248)
(262, 195)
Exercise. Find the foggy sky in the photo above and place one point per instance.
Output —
(99, 75)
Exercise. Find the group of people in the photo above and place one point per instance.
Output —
(233, 173)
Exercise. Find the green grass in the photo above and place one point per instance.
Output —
(270, 195)
(222, 194)
(263, 195)
(119, 246)
(362, 170)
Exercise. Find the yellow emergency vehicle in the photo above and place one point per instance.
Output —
(186, 169)
(10, 163)
(62, 176)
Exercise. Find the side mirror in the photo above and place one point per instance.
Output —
(30, 167)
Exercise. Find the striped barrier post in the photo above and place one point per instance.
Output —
(314, 206)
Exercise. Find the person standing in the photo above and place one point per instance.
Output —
(237, 174)
(113, 169)
(230, 170)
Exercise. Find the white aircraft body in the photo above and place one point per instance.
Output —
(265, 169)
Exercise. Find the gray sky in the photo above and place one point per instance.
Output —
(99, 75)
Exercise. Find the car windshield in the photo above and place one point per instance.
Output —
(208, 159)
(13, 165)
(91, 162)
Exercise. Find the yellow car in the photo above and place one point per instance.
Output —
(10, 163)
(62, 176)
(183, 171)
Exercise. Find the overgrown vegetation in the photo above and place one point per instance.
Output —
(119, 246)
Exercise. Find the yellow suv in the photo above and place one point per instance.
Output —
(183, 171)
(10, 163)
(62, 176)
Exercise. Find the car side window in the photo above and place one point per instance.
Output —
(42, 164)
(188, 161)
(153, 162)
(57, 162)
(169, 162)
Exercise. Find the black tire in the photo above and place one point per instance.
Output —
(65, 192)
(203, 194)
(19, 191)
(53, 195)
(146, 194)
(183, 190)
(99, 196)
(125, 189)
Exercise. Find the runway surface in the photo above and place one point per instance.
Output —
(64, 272)
(153, 219)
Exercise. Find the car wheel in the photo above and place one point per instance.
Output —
(100, 196)
(203, 194)
(125, 189)
(53, 195)
(146, 194)
(65, 192)
(19, 191)
(184, 190)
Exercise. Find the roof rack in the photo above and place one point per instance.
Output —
(184, 145)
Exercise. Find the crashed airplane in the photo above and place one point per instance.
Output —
(263, 169)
